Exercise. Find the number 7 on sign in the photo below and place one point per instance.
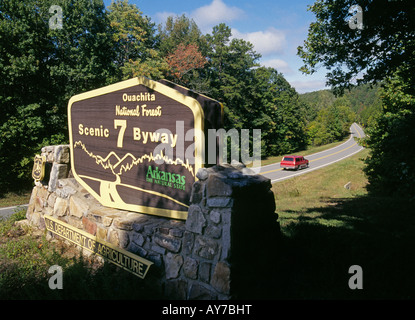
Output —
(123, 125)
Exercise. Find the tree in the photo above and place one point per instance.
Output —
(135, 42)
(184, 59)
(383, 50)
(40, 69)
(331, 124)
(278, 112)
(390, 166)
(230, 72)
(180, 39)
(385, 44)
(179, 30)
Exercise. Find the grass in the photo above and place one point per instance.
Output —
(327, 228)
(26, 256)
(320, 189)
(306, 152)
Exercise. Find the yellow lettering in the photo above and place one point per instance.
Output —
(93, 131)
(136, 134)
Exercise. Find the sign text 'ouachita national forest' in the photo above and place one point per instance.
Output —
(138, 144)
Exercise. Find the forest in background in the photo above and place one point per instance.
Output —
(41, 68)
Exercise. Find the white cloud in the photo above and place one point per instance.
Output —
(161, 17)
(266, 42)
(281, 65)
(215, 13)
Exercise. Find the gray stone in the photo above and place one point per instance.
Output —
(61, 154)
(235, 175)
(134, 248)
(202, 174)
(205, 247)
(59, 171)
(48, 152)
(217, 187)
(176, 233)
(219, 202)
(197, 192)
(158, 249)
(155, 258)
(169, 243)
(213, 232)
(221, 278)
(138, 239)
(215, 216)
(195, 220)
(188, 242)
(190, 267)
(65, 191)
(204, 271)
(173, 263)
(237, 164)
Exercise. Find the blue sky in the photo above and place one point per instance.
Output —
(275, 27)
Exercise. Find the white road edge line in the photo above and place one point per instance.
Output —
(340, 145)
(324, 165)
(19, 205)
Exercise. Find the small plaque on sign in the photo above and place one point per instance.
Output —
(38, 172)
(122, 258)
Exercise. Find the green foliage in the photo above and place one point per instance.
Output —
(390, 165)
(26, 256)
(332, 124)
(364, 100)
(383, 50)
(278, 112)
(385, 43)
(179, 30)
(135, 43)
(41, 68)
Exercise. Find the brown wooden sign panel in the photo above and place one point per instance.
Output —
(129, 146)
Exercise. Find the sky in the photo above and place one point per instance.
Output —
(275, 27)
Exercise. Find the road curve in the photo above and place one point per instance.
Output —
(317, 160)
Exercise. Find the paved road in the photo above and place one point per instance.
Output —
(318, 160)
(275, 173)
(7, 212)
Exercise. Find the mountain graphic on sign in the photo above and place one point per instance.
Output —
(118, 165)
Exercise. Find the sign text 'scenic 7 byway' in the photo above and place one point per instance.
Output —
(130, 147)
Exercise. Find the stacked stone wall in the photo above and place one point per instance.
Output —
(229, 235)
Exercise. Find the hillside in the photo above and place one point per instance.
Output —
(363, 100)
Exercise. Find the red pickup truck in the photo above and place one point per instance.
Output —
(294, 162)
